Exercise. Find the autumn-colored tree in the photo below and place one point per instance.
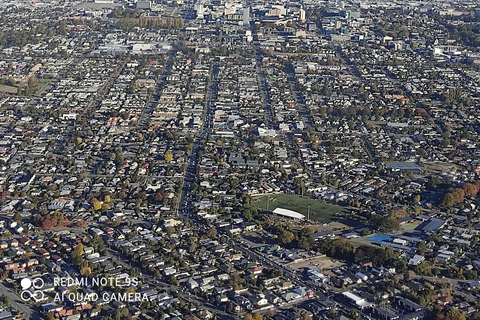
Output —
(397, 213)
(257, 316)
(97, 205)
(158, 196)
(85, 270)
(307, 316)
(409, 275)
(470, 189)
(168, 156)
(477, 184)
(81, 224)
(458, 195)
(212, 232)
(396, 279)
(51, 221)
(107, 198)
(5, 194)
(417, 210)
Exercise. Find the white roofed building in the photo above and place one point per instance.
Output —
(289, 213)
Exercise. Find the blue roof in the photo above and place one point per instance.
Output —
(379, 238)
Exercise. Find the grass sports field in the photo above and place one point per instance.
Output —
(321, 212)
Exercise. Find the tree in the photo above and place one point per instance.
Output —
(450, 314)
(77, 253)
(385, 224)
(212, 232)
(97, 243)
(286, 237)
(158, 197)
(97, 205)
(17, 217)
(257, 316)
(81, 224)
(168, 156)
(416, 199)
(85, 270)
(422, 246)
(107, 198)
(307, 316)
(470, 189)
(434, 181)
(247, 317)
(448, 200)
(305, 243)
(409, 275)
(299, 186)
(397, 213)
(121, 313)
(458, 195)
(192, 248)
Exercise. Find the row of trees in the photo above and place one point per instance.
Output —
(50, 221)
(388, 223)
(457, 195)
(344, 250)
(129, 24)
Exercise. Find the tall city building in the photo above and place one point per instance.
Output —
(246, 16)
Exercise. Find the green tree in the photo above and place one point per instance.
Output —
(448, 200)
(416, 199)
(286, 237)
(77, 254)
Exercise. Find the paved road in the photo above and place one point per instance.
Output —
(156, 282)
(263, 82)
(299, 100)
(144, 120)
(15, 301)
(191, 171)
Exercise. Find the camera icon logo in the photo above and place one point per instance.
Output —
(27, 294)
